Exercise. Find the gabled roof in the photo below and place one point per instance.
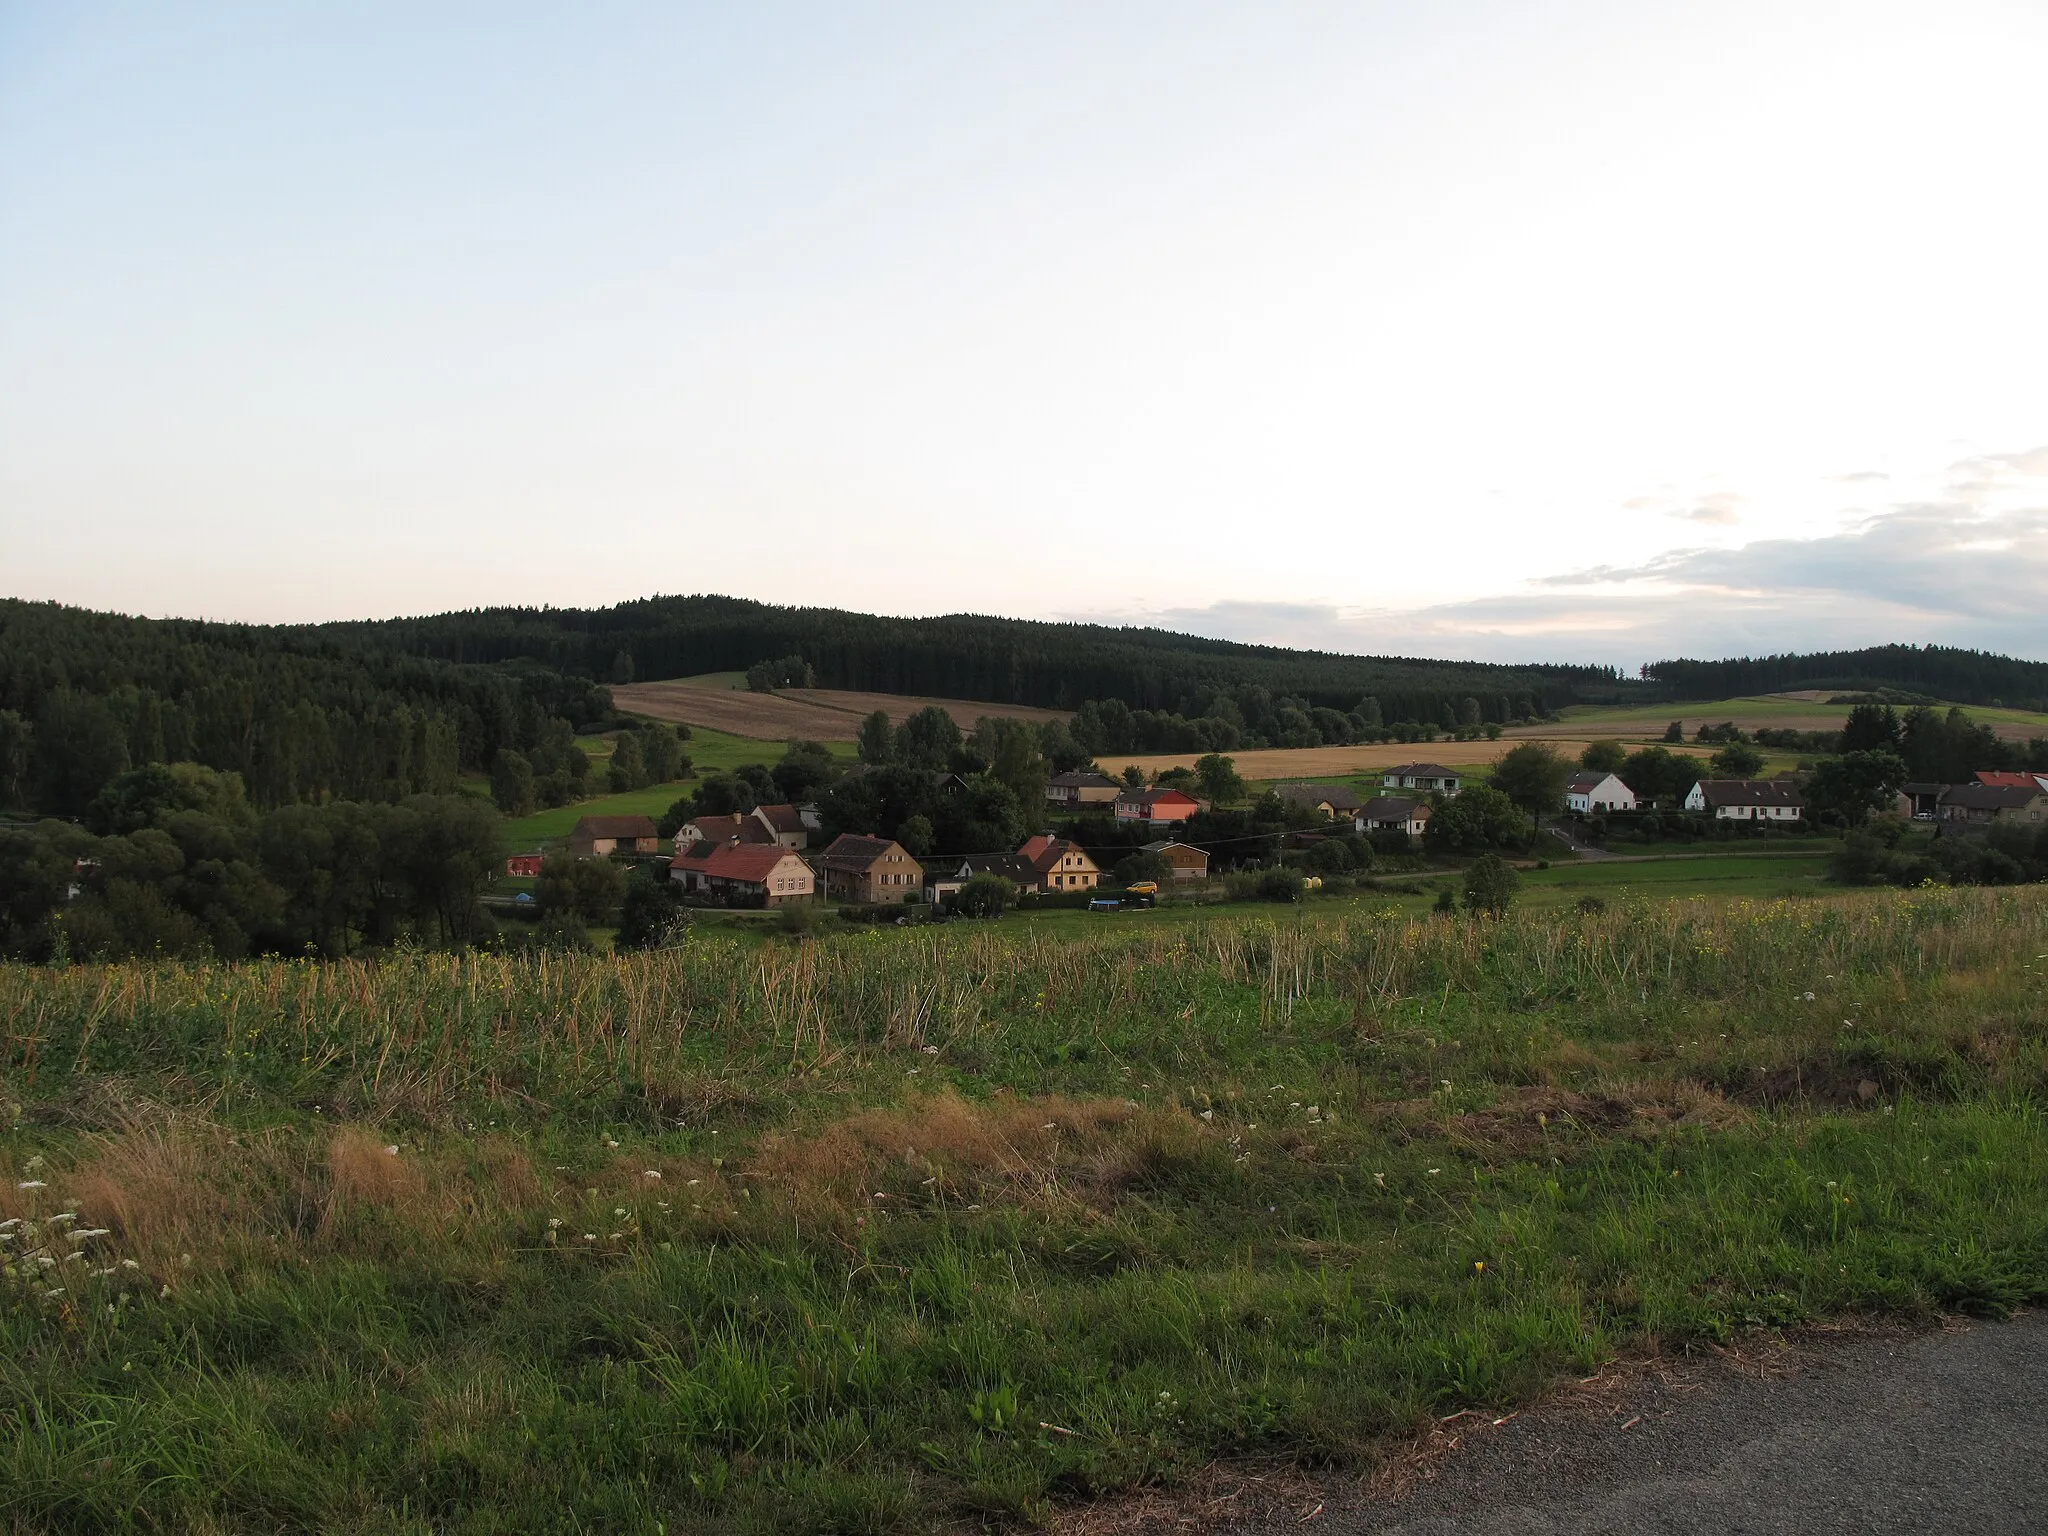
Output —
(1993, 797)
(615, 827)
(781, 818)
(1083, 780)
(1043, 853)
(1720, 792)
(753, 862)
(1008, 865)
(1423, 770)
(1998, 778)
(1153, 796)
(1338, 797)
(1586, 783)
(723, 829)
(1395, 808)
(1165, 843)
(851, 852)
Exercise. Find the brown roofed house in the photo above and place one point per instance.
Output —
(744, 874)
(1334, 802)
(1059, 863)
(1072, 791)
(746, 828)
(1405, 814)
(942, 881)
(1985, 803)
(596, 837)
(1186, 860)
(869, 870)
(1426, 777)
(1748, 799)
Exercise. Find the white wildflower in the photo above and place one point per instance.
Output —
(32, 1184)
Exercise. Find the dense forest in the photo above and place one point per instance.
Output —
(301, 716)
(1936, 671)
(377, 711)
(966, 656)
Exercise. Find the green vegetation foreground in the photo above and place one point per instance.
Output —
(890, 1229)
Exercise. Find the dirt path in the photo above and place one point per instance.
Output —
(1867, 1432)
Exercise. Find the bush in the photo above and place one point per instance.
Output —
(1263, 885)
(985, 896)
(1490, 885)
(1142, 865)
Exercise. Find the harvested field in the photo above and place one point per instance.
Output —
(1341, 762)
(812, 714)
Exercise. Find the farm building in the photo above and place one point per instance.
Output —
(596, 837)
(1188, 861)
(744, 873)
(942, 881)
(1748, 799)
(1333, 802)
(524, 865)
(1595, 794)
(1073, 791)
(1982, 804)
(1395, 813)
(869, 870)
(1156, 807)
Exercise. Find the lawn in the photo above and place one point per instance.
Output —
(922, 1229)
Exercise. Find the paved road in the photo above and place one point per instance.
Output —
(1872, 1434)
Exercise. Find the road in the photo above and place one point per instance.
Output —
(1871, 1433)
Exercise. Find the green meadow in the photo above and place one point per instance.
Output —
(907, 1229)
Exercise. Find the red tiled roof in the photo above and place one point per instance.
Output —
(1148, 798)
(752, 862)
(723, 829)
(781, 818)
(1998, 778)
(1043, 853)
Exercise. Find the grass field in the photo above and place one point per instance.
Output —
(812, 714)
(902, 1230)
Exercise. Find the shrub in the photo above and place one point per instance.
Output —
(985, 896)
(1490, 885)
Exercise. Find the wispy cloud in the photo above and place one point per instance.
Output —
(1966, 566)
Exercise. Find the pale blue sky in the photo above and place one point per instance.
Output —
(1594, 331)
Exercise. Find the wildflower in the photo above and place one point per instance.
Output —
(32, 1184)
(554, 1221)
(651, 1173)
(130, 1264)
(1436, 1170)
(590, 1237)
(1478, 1265)
(391, 1151)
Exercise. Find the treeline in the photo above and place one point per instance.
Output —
(297, 716)
(174, 862)
(1966, 677)
(968, 656)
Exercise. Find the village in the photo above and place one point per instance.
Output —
(777, 856)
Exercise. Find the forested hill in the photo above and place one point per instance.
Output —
(300, 716)
(968, 656)
(1941, 672)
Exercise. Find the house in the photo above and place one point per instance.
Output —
(1595, 794)
(1747, 799)
(942, 881)
(1076, 791)
(1059, 863)
(524, 865)
(1426, 777)
(1982, 804)
(743, 874)
(1333, 802)
(1405, 814)
(1156, 807)
(1188, 861)
(785, 823)
(1998, 779)
(1921, 802)
(746, 828)
(870, 870)
(597, 837)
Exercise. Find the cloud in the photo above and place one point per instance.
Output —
(1722, 509)
(1966, 567)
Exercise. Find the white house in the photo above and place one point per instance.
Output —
(1747, 799)
(1595, 794)
(1426, 777)
(1395, 813)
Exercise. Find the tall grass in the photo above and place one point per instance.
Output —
(888, 1230)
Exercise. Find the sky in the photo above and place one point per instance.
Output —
(1576, 332)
